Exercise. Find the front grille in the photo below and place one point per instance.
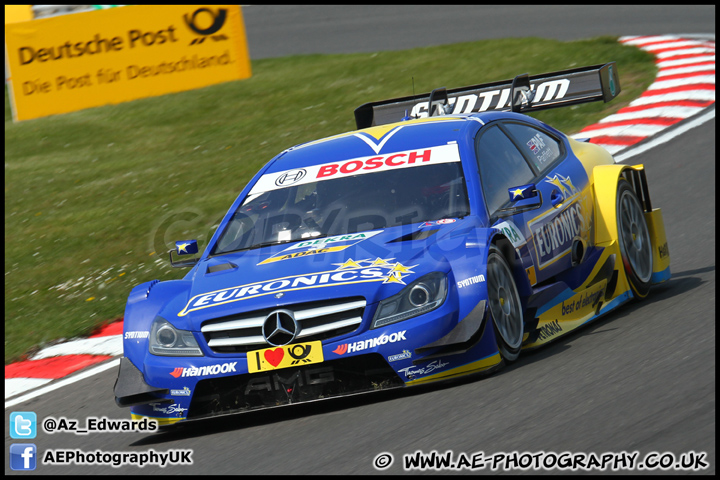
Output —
(316, 321)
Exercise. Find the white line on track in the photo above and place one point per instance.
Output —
(67, 381)
(16, 386)
(110, 345)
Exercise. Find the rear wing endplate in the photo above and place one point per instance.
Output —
(525, 93)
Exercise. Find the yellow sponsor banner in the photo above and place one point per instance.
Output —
(18, 13)
(286, 356)
(71, 62)
(304, 253)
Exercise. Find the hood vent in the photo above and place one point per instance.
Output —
(416, 235)
(221, 267)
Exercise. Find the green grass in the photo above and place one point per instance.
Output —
(94, 199)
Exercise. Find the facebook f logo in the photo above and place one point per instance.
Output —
(23, 456)
(23, 425)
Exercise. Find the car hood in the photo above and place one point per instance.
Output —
(373, 265)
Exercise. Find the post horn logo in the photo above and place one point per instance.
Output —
(218, 20)
(304, 351)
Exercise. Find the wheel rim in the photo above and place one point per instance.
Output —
(504, 304)
(635, 238)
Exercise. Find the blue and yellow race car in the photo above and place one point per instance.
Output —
(443, 237)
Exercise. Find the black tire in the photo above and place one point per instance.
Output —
(505, 306)
(634, 240)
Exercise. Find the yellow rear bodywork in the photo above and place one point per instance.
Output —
(597, 294)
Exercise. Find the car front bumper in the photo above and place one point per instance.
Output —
(171, 389)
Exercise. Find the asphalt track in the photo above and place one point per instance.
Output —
(641, 379)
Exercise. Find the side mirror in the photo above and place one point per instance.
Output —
(522, 198)
(522, 192)
(184, 247)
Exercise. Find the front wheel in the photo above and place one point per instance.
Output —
(505, 306)
(634, 240)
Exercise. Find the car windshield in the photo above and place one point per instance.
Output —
(346, 205)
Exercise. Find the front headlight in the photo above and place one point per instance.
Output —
(421, 296)
(167, 340)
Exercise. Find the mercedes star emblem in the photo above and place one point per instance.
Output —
(280, 328)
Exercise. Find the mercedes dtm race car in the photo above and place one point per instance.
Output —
(444, 236)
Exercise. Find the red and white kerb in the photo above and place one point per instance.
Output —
(685, 86)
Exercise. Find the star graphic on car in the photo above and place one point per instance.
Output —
(400, 268)
(568, 182)
(379, 262)
(182, 247)
(350, 263)
(394, 277)
(517, 193)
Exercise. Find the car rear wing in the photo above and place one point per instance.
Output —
(522, 94)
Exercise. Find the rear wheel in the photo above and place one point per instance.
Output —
(634, 240)
(505, 306)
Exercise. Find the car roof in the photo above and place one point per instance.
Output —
(368, 142)
(394, 137)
